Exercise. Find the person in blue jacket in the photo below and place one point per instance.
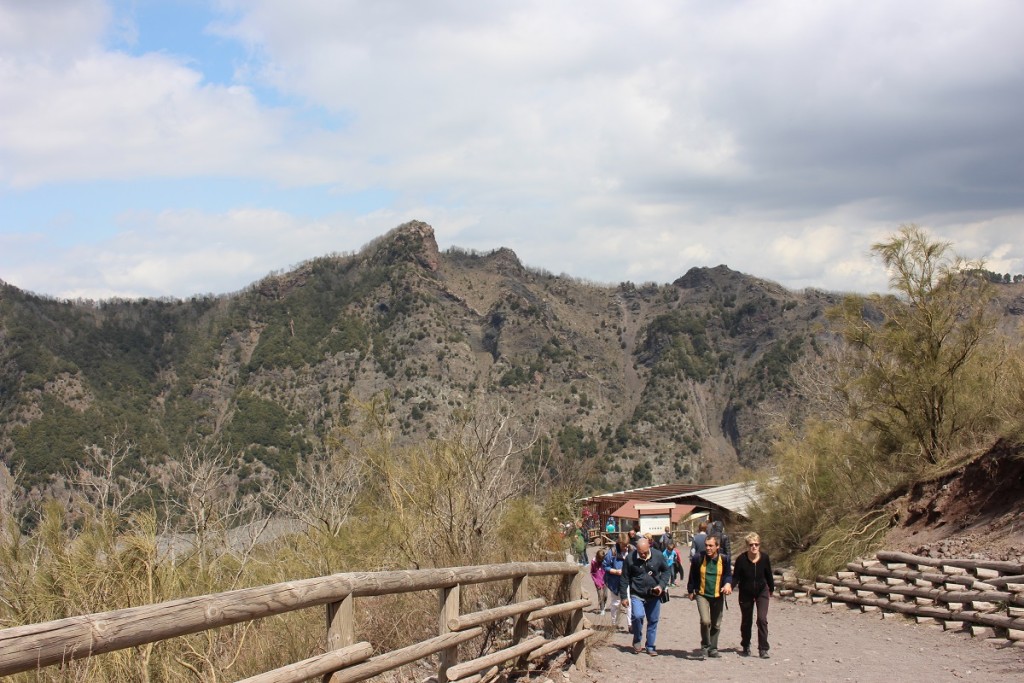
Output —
(613, 562)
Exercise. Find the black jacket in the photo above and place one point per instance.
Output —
(752, 578)
(695, 584)
(641, 576)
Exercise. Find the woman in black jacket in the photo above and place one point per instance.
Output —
(753, 576)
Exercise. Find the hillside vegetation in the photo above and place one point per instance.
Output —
(916, 384)
(623, 385)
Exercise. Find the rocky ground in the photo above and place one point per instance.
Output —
(973, 511)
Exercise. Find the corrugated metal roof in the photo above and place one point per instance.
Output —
(644, 493)
(736, 498)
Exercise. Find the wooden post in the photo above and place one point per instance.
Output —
(341, 625)
(578, 650)
(521, 627)
(520, 593)
(449, 608)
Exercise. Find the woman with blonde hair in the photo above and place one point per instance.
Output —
(752, 574)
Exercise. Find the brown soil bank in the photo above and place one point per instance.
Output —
(974, 511)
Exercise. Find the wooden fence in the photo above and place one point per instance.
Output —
(25, 648)
(981, 596)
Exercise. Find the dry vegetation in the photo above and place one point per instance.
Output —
(912, 384)
(365, 504)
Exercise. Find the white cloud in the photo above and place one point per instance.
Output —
(606, 140)
(53, 31)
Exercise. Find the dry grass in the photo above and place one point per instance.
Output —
(101, 562)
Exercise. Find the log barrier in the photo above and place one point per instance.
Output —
(983, 596)
(59, 642)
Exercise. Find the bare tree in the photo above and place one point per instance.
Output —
(323, 493)
(203, 504)
(105, 482)
(442, 497)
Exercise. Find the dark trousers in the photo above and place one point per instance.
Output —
(747, 618)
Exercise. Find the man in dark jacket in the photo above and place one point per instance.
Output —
(645, 575)
(709, 583)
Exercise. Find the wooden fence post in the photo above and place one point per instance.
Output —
(449, 608)
(520, 593)
(579, 650)
(521, 626)
(341, 624)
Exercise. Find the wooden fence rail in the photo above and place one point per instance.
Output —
(24, 648)
(983, 596)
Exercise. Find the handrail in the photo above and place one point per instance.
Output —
(24, 648)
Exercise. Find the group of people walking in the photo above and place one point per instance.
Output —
(633, 578)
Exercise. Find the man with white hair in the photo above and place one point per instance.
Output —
(645, 577)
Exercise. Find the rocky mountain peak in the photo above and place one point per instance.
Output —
(703, 277)
(413, 240)
(506, 262)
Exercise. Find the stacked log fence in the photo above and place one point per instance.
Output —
(59, 642)
(984, 597)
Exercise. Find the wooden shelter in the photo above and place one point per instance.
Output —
(600, 507)
(730, 502)
(653, 517)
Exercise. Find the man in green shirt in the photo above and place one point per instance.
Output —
(709, 583)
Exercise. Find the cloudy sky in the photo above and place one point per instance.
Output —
(152, 148)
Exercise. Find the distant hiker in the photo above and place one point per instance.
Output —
(633, 537)
(646, 578)
(717, 529)
(674, 562)
(709, 583)
(665, 538)
(597, 573)
(579, 543)
(613, 562)
(753, 577)
(697, 544)
(609, 528)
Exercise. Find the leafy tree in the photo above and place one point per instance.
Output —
(912, 350)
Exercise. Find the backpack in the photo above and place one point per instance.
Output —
(579, 544)
(723, 539)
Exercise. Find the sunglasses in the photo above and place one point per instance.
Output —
(754, 545)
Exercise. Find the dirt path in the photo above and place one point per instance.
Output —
(809, 642)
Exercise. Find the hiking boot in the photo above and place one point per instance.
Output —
(703, 654)
(637, 649)
(745, 652)
(713, 654)
(652, 652)
(763, 653)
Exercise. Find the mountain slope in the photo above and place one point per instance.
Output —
(625, 385)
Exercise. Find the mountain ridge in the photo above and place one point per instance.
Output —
(624, 384)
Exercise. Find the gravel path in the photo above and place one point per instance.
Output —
(810, 642)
